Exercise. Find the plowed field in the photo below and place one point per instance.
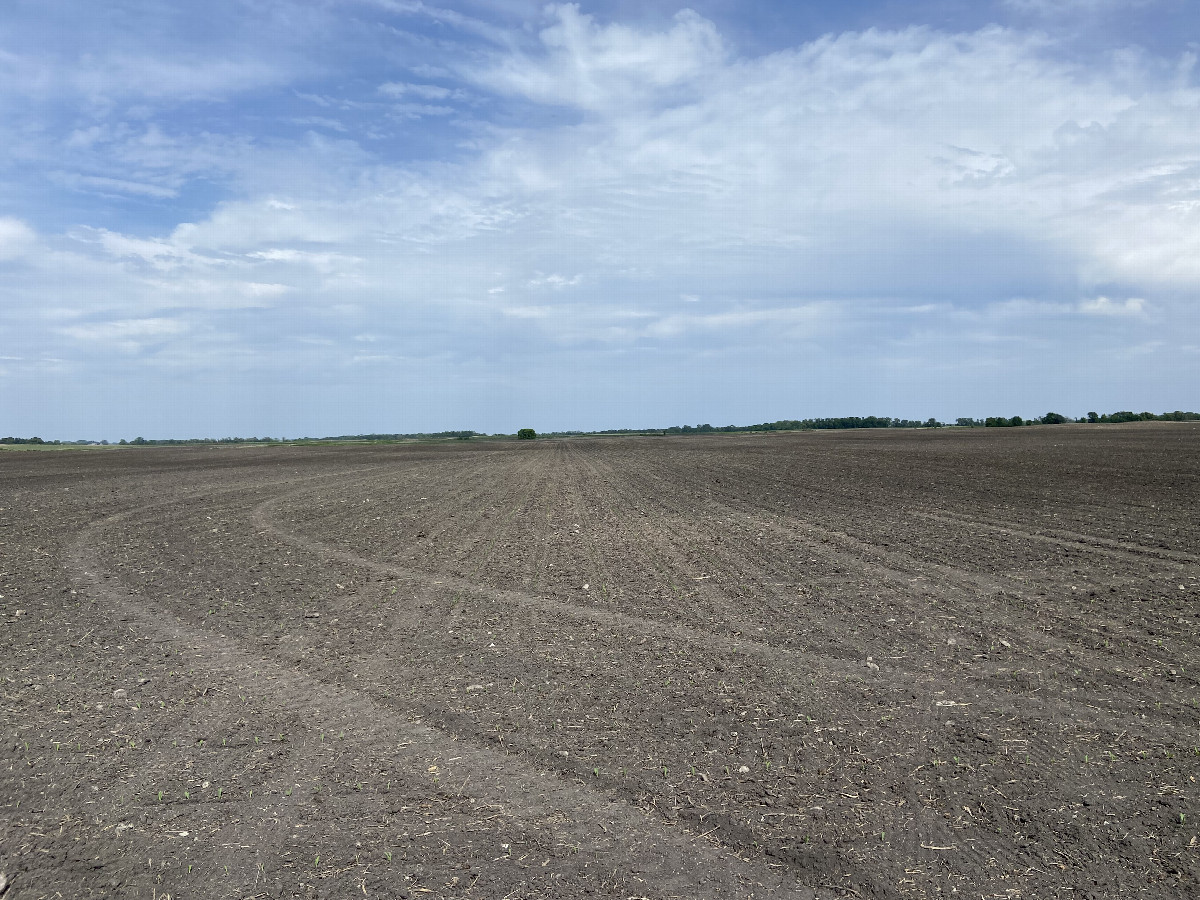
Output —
(854, 664)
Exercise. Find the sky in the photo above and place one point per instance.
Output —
(267, 217)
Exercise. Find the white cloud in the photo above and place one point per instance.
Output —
(859, 137)
(1102, 306)
(16, 238)
(605, 67)
(332, 264)
(1064, 8)
(126, 335)
(153, 250)
(418, 110)
(867, 190)
(838, 164)
(528, 312)
(554, 280)
(806, 320)
(214, 293)
(320, 122)
(110, 76)
(258, 289)
(423, 91)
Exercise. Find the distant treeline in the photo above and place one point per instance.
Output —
(421, 436)
(839, 423)
(363, 438)
(781, 425)
(845, 422)
(183, 442)
(1053, 418)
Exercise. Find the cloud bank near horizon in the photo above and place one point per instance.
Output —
(385, 216)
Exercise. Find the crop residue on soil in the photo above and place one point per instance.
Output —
(808, 665)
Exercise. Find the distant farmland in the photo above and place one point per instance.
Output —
(871, 663)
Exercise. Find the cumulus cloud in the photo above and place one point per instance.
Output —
(914, 163)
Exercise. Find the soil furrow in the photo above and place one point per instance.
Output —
(607, 831)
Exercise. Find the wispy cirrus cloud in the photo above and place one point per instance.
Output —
(582, 63)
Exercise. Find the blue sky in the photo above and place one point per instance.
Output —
(289, 218)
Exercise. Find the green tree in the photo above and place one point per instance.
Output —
(526, 434)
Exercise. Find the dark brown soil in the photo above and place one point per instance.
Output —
(817, 665)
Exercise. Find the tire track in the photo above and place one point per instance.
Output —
(612, 618)
(921, 830)
(665, 857)
(1121, 550)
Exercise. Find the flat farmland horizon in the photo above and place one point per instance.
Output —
(893, 663)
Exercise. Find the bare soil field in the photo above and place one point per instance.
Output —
(851, 664)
